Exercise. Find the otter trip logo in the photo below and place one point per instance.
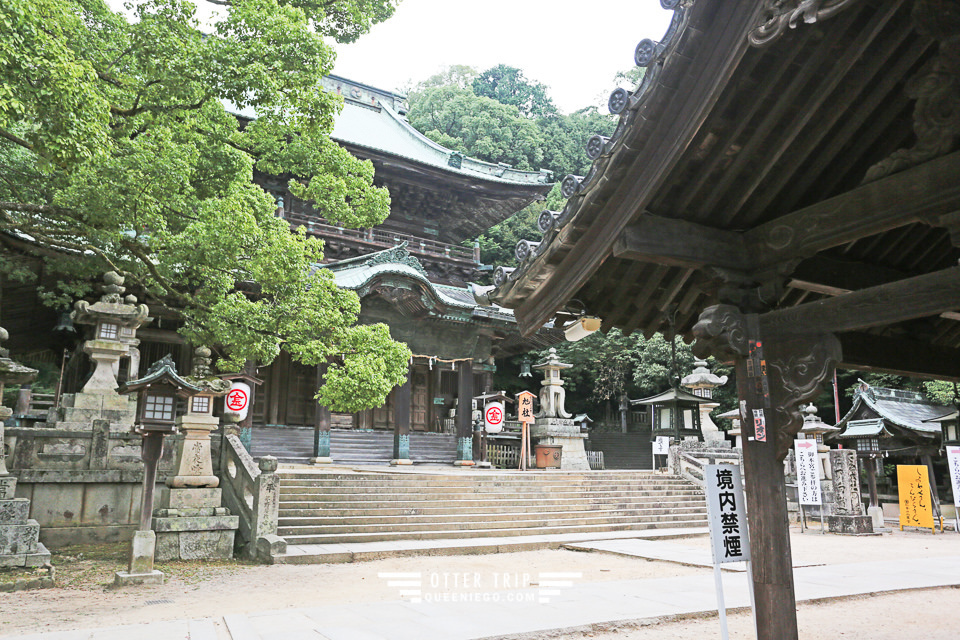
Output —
(237, 399)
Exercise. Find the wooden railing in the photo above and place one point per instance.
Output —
(252, 491)
(384, 239)
(506, 456)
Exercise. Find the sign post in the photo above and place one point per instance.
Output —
(913, 483)
(526, 417)
(953, 459)
(728, 525)
(661, 447)
(808, 478)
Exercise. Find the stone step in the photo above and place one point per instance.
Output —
(344, 510)
(481, 525)
(453, 495)
(295, 539)
(473, 516)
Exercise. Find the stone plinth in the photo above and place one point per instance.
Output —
(141, 569)
(565, 433)
(77, 411)
(191, 525)
(20, 544)
(194, 463)
(850, 525)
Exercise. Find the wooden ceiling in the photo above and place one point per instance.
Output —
(739, 174)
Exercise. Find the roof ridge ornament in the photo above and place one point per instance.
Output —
(777, 15)
(396, 255)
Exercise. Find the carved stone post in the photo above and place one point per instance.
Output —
(321, 427)
(401, 427)
(776, 372)
(464, 414)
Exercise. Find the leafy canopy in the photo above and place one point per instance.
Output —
(117, 152)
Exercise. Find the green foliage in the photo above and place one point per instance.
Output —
(117, 151)
(500, 116)
(507, 85)
(606, 366)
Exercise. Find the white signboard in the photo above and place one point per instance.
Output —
(953, 458)
(237, 399)
(808, 477)
(727, 513)
(493, 417)
(661, 445)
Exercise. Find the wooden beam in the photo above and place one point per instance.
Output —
(682, 244)
(907, 299)
(709, 59)
(922, 193)
(901, 356)
(831, 276)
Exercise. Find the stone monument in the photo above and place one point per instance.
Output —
(702, 383)
(20, 544)
(190, 523)
(115, 321)
(554, 426)
(847, 517)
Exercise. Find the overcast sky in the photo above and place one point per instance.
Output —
(575, 48)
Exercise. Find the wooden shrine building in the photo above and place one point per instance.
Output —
(783, 187)
(411, 272)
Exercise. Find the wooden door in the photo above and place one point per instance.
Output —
(419, 404)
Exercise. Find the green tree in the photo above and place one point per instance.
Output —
(477, 126)
(116, 152)
(508, 85)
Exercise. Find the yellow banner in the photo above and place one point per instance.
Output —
(916, 509)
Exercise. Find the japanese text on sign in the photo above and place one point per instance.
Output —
(759, 426)
(808, 476)
(725, 507)
(525, 406)
(953, 459)
(913, 484)
(661, 445)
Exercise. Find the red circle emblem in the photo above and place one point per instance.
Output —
(237, 400)
(494, 415)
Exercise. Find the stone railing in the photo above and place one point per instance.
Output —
(84, 484)
(252, 492)
(689, 463)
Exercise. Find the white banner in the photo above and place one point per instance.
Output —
(953, 458)
(808, 477)
(727, 513)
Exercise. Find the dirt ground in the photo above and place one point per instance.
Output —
(85, 598)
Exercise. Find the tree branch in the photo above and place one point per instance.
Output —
(16, 140)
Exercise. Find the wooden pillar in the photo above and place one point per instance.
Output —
(776, 372)
(401, 421)
(871, 465)
(321, 426)
(464, 414)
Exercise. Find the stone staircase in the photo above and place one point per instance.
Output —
(322, 508)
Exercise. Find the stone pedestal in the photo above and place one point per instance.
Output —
(19, 535)
(194, 463)
(566, 433)
(141, 569)
(190, 524)
(77, 411)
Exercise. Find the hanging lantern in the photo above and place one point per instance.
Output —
(525, 367)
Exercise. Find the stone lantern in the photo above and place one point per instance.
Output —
(702, 383)
(20, 544)
(157, 395)
(554, 426)
(190, 523)
(115, 321)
